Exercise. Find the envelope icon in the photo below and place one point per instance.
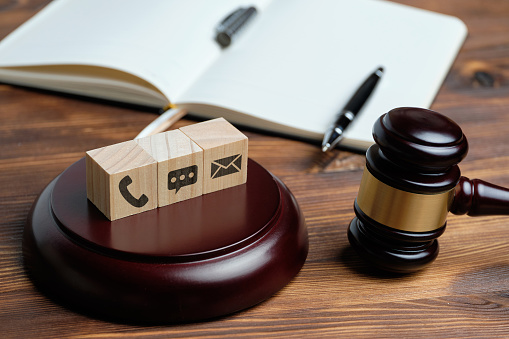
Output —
(225, 166)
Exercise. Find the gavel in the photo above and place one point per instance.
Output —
(410, 183)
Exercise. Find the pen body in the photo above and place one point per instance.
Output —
(335, 133)
(363, 93)
(344, 119)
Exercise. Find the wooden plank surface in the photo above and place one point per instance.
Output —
(465, 293)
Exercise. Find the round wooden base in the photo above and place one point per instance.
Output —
(198, 259)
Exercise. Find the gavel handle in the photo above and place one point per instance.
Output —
(478, 197)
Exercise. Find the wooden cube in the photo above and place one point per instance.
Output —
(179, 166)
(224, 153)
(121, 179)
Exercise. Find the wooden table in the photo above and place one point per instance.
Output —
(465, 293)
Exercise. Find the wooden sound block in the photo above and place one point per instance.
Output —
(198, 259)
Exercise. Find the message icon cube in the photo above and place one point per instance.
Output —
(182, 177)
(121, 179)
(179, 166)
(224, 153)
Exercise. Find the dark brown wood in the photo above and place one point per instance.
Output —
(336, 294)
(183, 262)
(417, 150)
(392, 250)
(478, 197)
(419, 139)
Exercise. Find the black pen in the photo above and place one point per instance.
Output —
(335, 133)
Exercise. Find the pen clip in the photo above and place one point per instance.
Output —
(230, 17)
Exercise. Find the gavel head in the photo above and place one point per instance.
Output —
(407, 189)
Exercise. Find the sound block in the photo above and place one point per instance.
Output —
(198, 259)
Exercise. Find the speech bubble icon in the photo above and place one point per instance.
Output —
(182, 177)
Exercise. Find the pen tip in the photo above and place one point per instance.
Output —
(380, 70)
(325, 148)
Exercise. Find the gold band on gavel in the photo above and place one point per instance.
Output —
(400, 209)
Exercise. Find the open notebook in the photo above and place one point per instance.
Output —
(290, 71)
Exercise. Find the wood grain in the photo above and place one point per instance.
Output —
(176, 155)
(464, 293)
(108, 167)
(224, 153)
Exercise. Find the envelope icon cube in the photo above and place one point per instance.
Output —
(224, 153)
(226, 166)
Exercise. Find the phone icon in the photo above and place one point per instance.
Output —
(122, 186)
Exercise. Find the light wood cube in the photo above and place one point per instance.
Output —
(121, 179)
(224, 153)
(179, 166)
